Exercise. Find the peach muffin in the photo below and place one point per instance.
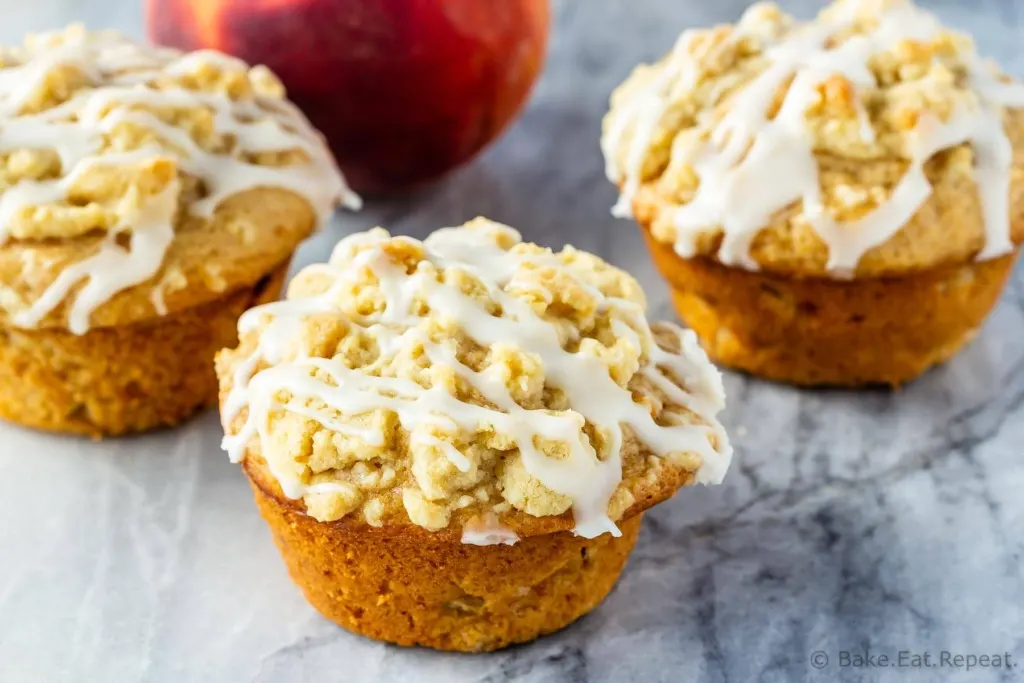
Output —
(147, 199)
(833, 202)
(453, 440)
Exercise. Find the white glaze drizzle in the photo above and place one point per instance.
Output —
(121, 72)
(156, 297)
(752, 167)
(588, 480)
(487, 530)
(640, 117)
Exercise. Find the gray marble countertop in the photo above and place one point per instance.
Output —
(881, 521)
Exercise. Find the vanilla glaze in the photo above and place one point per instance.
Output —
(751, 166)
(687, 379)
(121, 78)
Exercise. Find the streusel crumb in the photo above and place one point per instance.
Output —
(122, 160)
(386, 397)
(100, 196)
(910, 79)
(868, 87)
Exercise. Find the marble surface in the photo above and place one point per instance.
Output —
(888, 521)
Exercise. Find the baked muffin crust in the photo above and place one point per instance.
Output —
(871, 141)
(470, 382)
(136, 181)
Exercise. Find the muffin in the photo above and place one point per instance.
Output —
(453, 440)
(835, 202)
(147, 199)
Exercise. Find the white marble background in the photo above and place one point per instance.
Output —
(889, 521)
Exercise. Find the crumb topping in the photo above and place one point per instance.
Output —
(470, 370)
(100, 135)
(849, 117)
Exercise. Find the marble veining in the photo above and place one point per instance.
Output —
(851, 521)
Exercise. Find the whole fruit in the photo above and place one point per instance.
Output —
(404, 90)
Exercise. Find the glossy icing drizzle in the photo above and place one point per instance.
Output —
(752, 166)
(121, 73)
(488, 531)
(593, 395)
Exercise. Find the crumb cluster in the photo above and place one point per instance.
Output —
(365, 462)
(911, 79)
(100, 194)
(863, 133)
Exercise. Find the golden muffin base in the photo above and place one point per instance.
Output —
(127, 378)
(402, 585)
(818, 331)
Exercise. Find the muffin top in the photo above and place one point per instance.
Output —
(470, 382)
(136, 181)
(869, 141)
